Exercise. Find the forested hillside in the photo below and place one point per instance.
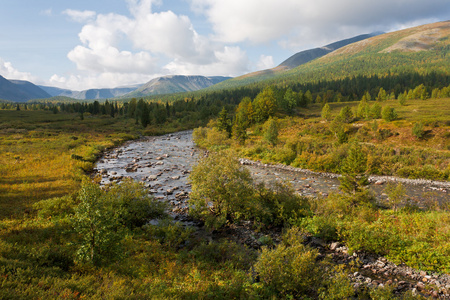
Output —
(422, 50)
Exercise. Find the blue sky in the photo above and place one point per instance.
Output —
(108, 43)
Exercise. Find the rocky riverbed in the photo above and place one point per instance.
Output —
(164, 163)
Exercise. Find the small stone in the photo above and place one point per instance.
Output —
(334, 246)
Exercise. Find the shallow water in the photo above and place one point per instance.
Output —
(163, 163)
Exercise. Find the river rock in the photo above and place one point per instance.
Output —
(152, 177)
(334, 246)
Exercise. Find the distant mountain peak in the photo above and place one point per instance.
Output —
(176, 84)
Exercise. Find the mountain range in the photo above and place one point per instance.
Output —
(175, 84)
(22, 91)
(422, 49)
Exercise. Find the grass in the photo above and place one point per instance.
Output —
(45, 155)
(38, 151)
(307, 141)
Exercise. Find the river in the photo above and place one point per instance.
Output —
(163, 163)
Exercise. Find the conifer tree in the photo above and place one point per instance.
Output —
(353, 170)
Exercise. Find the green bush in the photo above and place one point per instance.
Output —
(289, 270)
(134, 206)
(418, 131)
(58, 207)
(279, 204)
(97, 226)
(388, 114)
(271, 131)
(169, 233)
(221, 190)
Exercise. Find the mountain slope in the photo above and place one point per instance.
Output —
(90, 94)
(54, 91)
(175, 84)
(294, 61)
(303, 57)
(422, 49)
(19, 90)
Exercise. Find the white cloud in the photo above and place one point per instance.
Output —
(80, 16)
(305, 22)
(154, 37)
(265, 62)
(80, 82)
(110, 59)
(9, 72)
(147, 42)
(230, 61)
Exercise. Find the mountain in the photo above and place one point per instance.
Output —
(422, 49)
(54, 91)
(295, 60)
(175, 84)
(90, 94)
(19, 90)
(303, 57)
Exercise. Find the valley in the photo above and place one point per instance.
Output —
(327, 177)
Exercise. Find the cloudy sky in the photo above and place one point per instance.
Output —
(86, 44)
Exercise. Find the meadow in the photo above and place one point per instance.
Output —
(45, 159)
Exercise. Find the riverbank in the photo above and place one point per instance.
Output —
(164, 163)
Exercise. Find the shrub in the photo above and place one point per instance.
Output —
(133, 205)
(169, 233)
(221, 190)
(279, 204)
(417, 130)
(97, 226)
(396, 194)
(289, 270)
(388, 114)
(271, 132)
(58, 207)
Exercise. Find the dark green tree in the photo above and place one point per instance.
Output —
(353, 169)
(224, 122)
(271, 132)
(346, 114)
(97, 226)
(264, 105)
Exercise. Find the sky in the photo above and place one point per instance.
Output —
(87, 44)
